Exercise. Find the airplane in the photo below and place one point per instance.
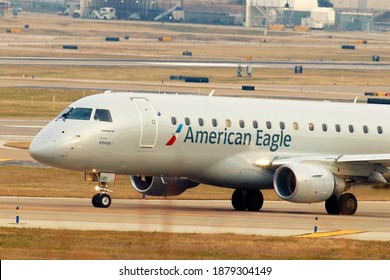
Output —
(307, 151)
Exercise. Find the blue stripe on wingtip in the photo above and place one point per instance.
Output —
(179, 128)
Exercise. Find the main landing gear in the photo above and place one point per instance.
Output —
(345, 204)
(102, 199)
(251, 200)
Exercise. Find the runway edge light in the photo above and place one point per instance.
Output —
(316, 225)
(17, 214)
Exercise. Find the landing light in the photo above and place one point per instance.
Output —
(263, 162)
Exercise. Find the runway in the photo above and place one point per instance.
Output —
(371, 222)
(101, 62)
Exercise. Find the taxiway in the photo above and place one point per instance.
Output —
(371, 222)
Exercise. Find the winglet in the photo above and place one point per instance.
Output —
(212, 92)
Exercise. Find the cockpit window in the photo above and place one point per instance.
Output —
(65, 112)
(76, 114)
(102, 115)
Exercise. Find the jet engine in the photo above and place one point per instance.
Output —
(161, 186)
(306, 183)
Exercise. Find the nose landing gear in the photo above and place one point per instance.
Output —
(102, 199)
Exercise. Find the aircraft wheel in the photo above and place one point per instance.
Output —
(348, 204)
(332, 205)
(238, 200)
(104, 200)
(254, 200)
(95, 200)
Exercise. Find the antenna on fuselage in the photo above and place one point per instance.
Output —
(355, 101)
(212, 92)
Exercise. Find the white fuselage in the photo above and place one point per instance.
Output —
(217, 138)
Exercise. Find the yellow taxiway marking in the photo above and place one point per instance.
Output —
(329, 233)
(5, 159)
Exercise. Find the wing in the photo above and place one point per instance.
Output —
(370, 167)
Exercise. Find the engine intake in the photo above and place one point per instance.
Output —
(306, 183)
(161, 186)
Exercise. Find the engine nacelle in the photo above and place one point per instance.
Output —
(306, 183)
(161, 186)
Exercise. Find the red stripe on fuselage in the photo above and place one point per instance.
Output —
(171, 141)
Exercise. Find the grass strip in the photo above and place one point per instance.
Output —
(72, 244)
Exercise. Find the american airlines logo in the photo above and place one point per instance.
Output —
(174, 136)
(273, 141)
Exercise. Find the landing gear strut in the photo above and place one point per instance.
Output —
(251, 200)
(345, 204)
(102, 199)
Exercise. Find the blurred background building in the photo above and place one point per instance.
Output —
(364, 15)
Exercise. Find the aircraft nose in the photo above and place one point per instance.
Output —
(42, 149)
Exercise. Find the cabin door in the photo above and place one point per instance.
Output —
(148, 118)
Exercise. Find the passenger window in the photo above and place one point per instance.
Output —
(282, 125)
(78, 114)
(338, 128)
(365, 129)
(173, 120)
(268, 124)
(311, 126)
(228, 123)
(295, 126)
(201, 122)
(324, 127)
(350, 128)
(102, 115)
(242, 123)
(187, 121)
(255, 124)
(380, 130)
(214, 122)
